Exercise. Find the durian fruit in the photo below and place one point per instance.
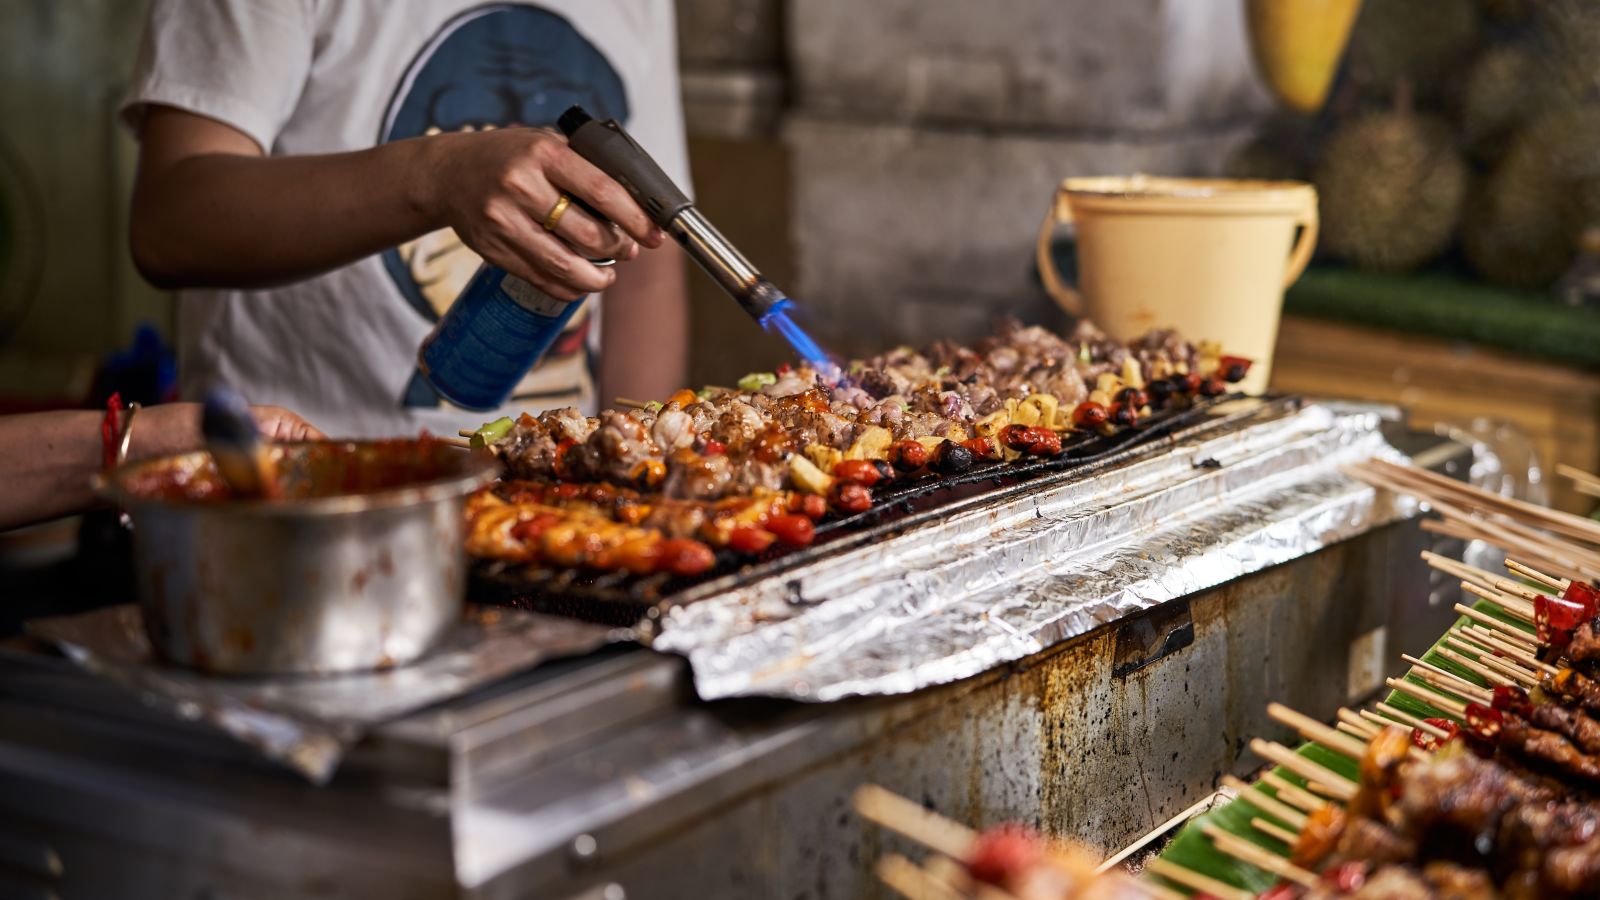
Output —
(1419, 41)
(1276, 153)
(1524, 220)
(1390, 188)
(1569, 35)
(1498, 94)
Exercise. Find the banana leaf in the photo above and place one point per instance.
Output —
(1192, 850)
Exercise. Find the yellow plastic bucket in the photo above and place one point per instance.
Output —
(1209, 257)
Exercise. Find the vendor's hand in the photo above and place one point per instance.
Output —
(280, 426)
(496, 188)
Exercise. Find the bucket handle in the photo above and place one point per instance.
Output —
(1300, 253)
(1060, 213)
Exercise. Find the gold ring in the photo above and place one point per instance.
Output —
(556, 212)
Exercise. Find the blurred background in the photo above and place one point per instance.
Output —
(890, 162)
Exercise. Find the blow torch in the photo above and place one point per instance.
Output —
(605, 144)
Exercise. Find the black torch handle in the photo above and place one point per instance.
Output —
(604, 143)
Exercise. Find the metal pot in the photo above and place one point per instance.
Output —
(339, 583)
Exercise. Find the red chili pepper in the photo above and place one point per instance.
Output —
(567, 490)
(1190, 383)
(714, 447)
(1484, 722)
(1089, 415)
(857, 471)
(1233, 368)
(980, 446)
(1512, 699)
(750, 540)
(908, 456)
(796, 531)
(1430, 742)
(562, 448)
(684, 557)
(1347, 877)
(784, 369)
(1585, 596)
(1213, 387)
(1555, 619)
(849, 497)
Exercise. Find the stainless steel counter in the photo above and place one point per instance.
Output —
(604, 776)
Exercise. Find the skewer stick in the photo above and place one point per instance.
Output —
(1404, 718)
(1195, 881)
(954, 875)
(630, 402)
(1272, 806)
(1507, 586)
(1312, 730)
(1472, 665)
(463, 443)
(1459, 569)
(1509, 630)
(1276, 832)
(1341, 787)
(1447, 680)
(1533, 552)
(1559, 584)
(1502, 647)
(1355, 731)
(1292, 793)
(912, 881)
(465, 432)
(911, 819)
(1349, 717)
(1558, 522)
(1156, 891)
(1577, 475)
(1509, 670)
(1516, 606)
(1256, 855)
(1447, 705)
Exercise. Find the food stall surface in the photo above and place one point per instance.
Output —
(606, 770)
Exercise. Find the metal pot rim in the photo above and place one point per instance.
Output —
(478, 469)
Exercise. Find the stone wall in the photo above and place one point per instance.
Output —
(923, 139)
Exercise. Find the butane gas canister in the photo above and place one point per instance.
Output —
(496, 331)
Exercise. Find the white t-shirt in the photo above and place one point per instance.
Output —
(325, 76)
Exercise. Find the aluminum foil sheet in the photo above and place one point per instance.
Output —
(1004, 577)
(307, 723)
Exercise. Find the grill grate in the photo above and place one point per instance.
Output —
(618, 598)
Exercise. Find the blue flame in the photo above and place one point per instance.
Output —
(777, 319)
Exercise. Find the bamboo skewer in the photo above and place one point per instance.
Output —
(1340, 787)
(1349, 717)
(1447, 680)
(1559, 584)
(630, 402)
(1516, 606)
(1409, 721)
(1445, 686)
(1312, 730)
(1276, 832)
(1291, 793)
(1555, 521)
(1355, 731)
(1451, 707)
(455, 442)
(911, 819)
(912, 881)
(1195, 881)
(1260, 857)
(1510, 631)
(1523, 666)
(1507, 586)
(1459, 569)
(1477, 668)
(1272, 806)
(1502, 648)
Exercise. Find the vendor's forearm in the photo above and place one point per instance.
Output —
(225, 219)
(49, 461)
